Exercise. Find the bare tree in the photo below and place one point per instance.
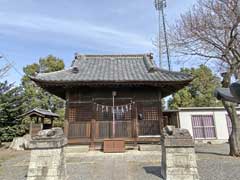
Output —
(210, 30)
(4, 70)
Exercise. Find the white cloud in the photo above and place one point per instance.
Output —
(16, 23)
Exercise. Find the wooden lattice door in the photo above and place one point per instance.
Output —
(106, 127)
(148, 119)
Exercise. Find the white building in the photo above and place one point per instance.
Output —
(206, 124)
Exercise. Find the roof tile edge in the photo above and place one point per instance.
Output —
(81, 56)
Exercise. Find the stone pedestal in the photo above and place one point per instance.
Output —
(47, 161)
(178, 155)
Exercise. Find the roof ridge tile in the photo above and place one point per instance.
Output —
(81, 56)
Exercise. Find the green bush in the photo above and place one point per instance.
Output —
(8, 133)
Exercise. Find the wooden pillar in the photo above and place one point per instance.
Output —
(135, 124)
(160, 113)
(37, 119)
(178, 120)
(93, 131)
(42, 120)
(52, 122)
(93, 127)
(66, 120)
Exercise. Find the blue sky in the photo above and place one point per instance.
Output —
(30, 29)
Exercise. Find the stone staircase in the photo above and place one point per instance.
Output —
(75, 150)
(150, 147)
(143, 152)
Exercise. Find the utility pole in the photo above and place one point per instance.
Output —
(160, 5)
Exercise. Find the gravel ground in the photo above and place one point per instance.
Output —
(13, 164)
(213, 164)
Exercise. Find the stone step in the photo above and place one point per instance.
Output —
(76, 149)
(129, 156)
(85, 148)
(150, 147)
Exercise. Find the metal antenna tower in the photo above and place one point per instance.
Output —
(160, 5)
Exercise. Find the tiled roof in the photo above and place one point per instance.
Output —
(42, 112)
(112, 68)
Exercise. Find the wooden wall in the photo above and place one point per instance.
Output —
(80, 108)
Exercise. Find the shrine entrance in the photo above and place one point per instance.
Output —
(95, 120)
(114, 119)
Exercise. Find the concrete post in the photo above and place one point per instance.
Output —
(47, 161)
(178, 155)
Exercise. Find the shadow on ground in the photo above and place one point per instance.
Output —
(154, 170)
(221, 150)
(212, 153)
